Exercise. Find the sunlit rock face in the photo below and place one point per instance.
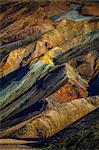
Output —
(49, 65)
(65, 31)
(56, 119)
(74, 88)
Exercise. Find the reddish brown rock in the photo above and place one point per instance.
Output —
(69, 92)
(64, 31)
(53, 120)
(74, 88)
(38, 40)
(91, 10)
(29, 20)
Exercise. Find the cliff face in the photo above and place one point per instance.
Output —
(49, 65)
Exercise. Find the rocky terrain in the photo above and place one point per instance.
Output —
(49, 74)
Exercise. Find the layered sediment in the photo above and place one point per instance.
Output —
(49, 66)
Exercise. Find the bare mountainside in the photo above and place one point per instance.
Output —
(49, 74)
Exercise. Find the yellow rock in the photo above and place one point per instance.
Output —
(49, 55)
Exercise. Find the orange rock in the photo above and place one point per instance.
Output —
(28, 21)
(65, 31)
(91, 10)
(15, 58)
(69, 92)
(74, 88)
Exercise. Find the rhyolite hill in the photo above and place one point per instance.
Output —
(49, 74)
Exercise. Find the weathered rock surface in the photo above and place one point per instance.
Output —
(31, 18)
(82, 134)
(91, 10)
(46, 42)
(87, 7)
(54, 120)
(73, 89)
(39, 72)
(49, 67)
(38, 79)
(70, 85)
(71, 15)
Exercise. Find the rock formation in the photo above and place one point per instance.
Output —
(49, 66)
